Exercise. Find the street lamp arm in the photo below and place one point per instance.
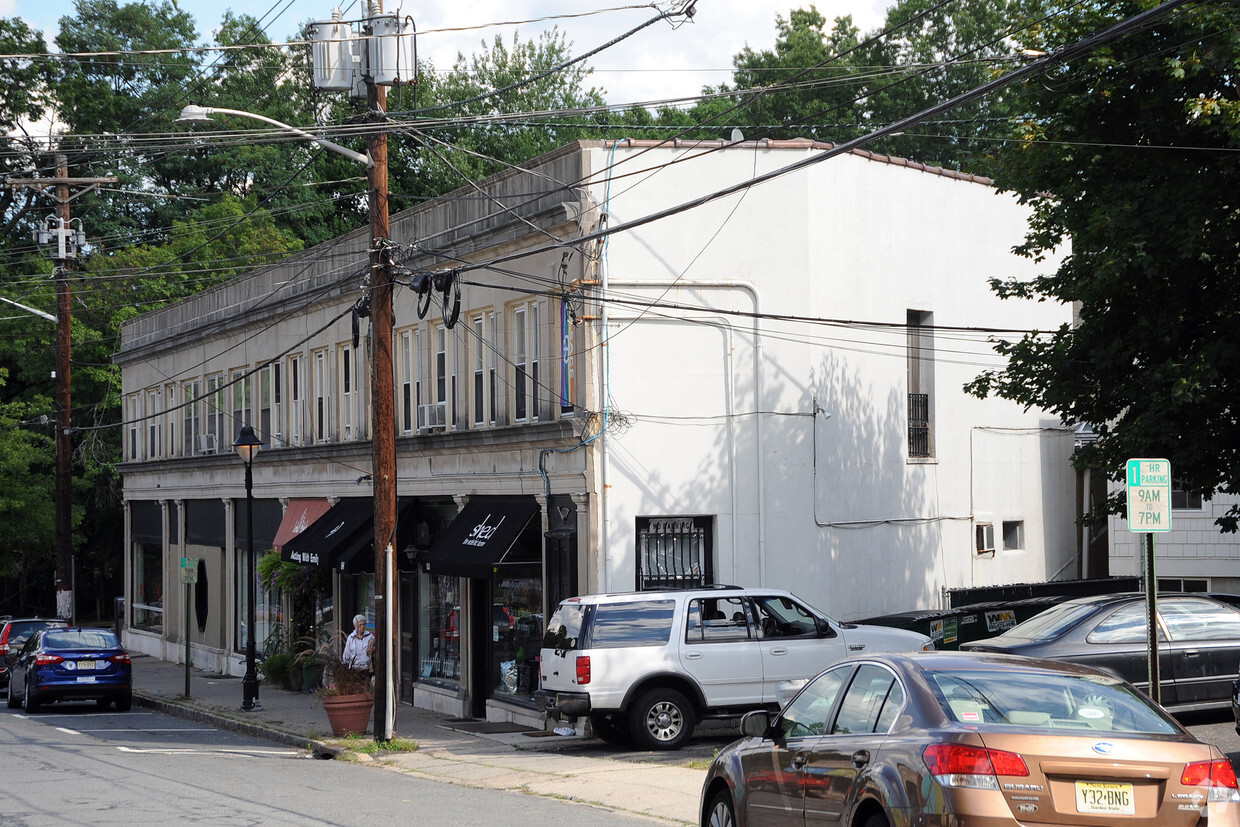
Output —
(38, 313)
(198, 114)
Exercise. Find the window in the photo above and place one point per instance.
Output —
(864, 701)
(1182, 499)
(1187, 584)
(1013, 534)
(441, 365)
(479, 388)
(216, 434)
(673, 551)
(348, 399)
(920, 350)
(1195, 619)
(520, 366)
(243, 402)
(985, 538)
(534, 350)
(493, 370)
(132, 415)
(297, 382)
(265, 402)
(717, 619)
(809, 711)
(322, 397)
(406, 382)
(154, 439)
(193, 418)
(1125, 625)
(170, 414)
(632, 623)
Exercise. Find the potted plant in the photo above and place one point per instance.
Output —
(348, 694)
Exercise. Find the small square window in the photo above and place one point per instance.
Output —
(985, 538)
(1013, 534)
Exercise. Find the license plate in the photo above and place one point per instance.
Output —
(1104, 797)
(86, 679)
(89, 665)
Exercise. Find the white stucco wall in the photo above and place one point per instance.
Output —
(718, 406)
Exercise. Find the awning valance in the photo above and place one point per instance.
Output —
(480, 536)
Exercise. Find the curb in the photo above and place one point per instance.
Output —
(319, 748)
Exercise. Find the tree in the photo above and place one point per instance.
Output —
(1131, 154)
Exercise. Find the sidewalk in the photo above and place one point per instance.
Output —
(471, 754)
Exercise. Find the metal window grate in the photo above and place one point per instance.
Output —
(919, 424)
(673, 552)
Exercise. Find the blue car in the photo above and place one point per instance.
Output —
(71, 665)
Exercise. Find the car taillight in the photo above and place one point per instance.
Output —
(121, 658)
(4, 649)
(1218, 776)
(961, 765)
(583, 669)
(47, 660)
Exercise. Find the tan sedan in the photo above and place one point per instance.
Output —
(960, 738)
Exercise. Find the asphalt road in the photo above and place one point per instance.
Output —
(74, 765)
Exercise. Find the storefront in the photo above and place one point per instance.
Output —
(480, 593)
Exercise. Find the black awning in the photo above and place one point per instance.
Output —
(358, 556)
(480, 536)
(332, 534)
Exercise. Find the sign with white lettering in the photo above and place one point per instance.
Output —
(189, 571)
(1149, 495)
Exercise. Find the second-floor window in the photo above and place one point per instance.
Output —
(322, 396)
(216, 435)
(407, 411)
(193, 418)
(348, 398)
(296, 389)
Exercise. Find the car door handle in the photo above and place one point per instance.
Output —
(693, 655)
(1190, 653)
(778, 651)
(860, 758)
(800, 760)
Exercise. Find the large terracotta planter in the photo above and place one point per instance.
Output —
(348, 714)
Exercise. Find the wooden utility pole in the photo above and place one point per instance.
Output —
(64, 246)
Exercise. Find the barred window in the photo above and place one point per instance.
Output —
(674, 552)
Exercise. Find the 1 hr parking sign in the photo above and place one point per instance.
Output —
(1149, 495)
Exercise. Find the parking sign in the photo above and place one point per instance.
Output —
(1149, 495)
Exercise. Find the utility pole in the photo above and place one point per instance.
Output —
(383, 423)
(64, 245)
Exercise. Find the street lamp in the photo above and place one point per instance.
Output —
(202, 114)
(247, 446)
(382, 387)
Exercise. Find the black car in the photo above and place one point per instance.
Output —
(63, 664)
(14, 633)
(1198, 649)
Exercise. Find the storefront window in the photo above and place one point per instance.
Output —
(439, 628)
(148, 587)
(517, 623)
(268, 609)
(361, 588)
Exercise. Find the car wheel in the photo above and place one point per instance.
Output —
(720, 813)
(661, 719)
(14, 702)
(29, 702)
(125, 702)
(876, 820)
(613, 729)
(102, 703)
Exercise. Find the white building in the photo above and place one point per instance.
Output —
(763, 390)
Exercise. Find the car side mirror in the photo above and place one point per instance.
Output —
(756, 723)
(824, 628)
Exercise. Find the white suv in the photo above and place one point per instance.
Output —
(645, 667)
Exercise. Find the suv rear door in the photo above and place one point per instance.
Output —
(721, 651)
(792, 645)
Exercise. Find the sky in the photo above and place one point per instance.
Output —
(658, 63)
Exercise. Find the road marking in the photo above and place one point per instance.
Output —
(188, 751)
(68, 731)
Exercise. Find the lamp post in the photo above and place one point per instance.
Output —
(247, 446)
(382, 393)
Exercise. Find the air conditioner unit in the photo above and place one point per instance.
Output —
(985, 538)
(206, 443)
(433, 416)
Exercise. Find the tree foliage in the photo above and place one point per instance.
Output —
(1133, 154)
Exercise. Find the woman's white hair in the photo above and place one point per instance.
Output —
(356, 618)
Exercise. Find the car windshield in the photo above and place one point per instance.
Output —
(80, 639)
(1051, 623)
(20, 630)
(1046, 700)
